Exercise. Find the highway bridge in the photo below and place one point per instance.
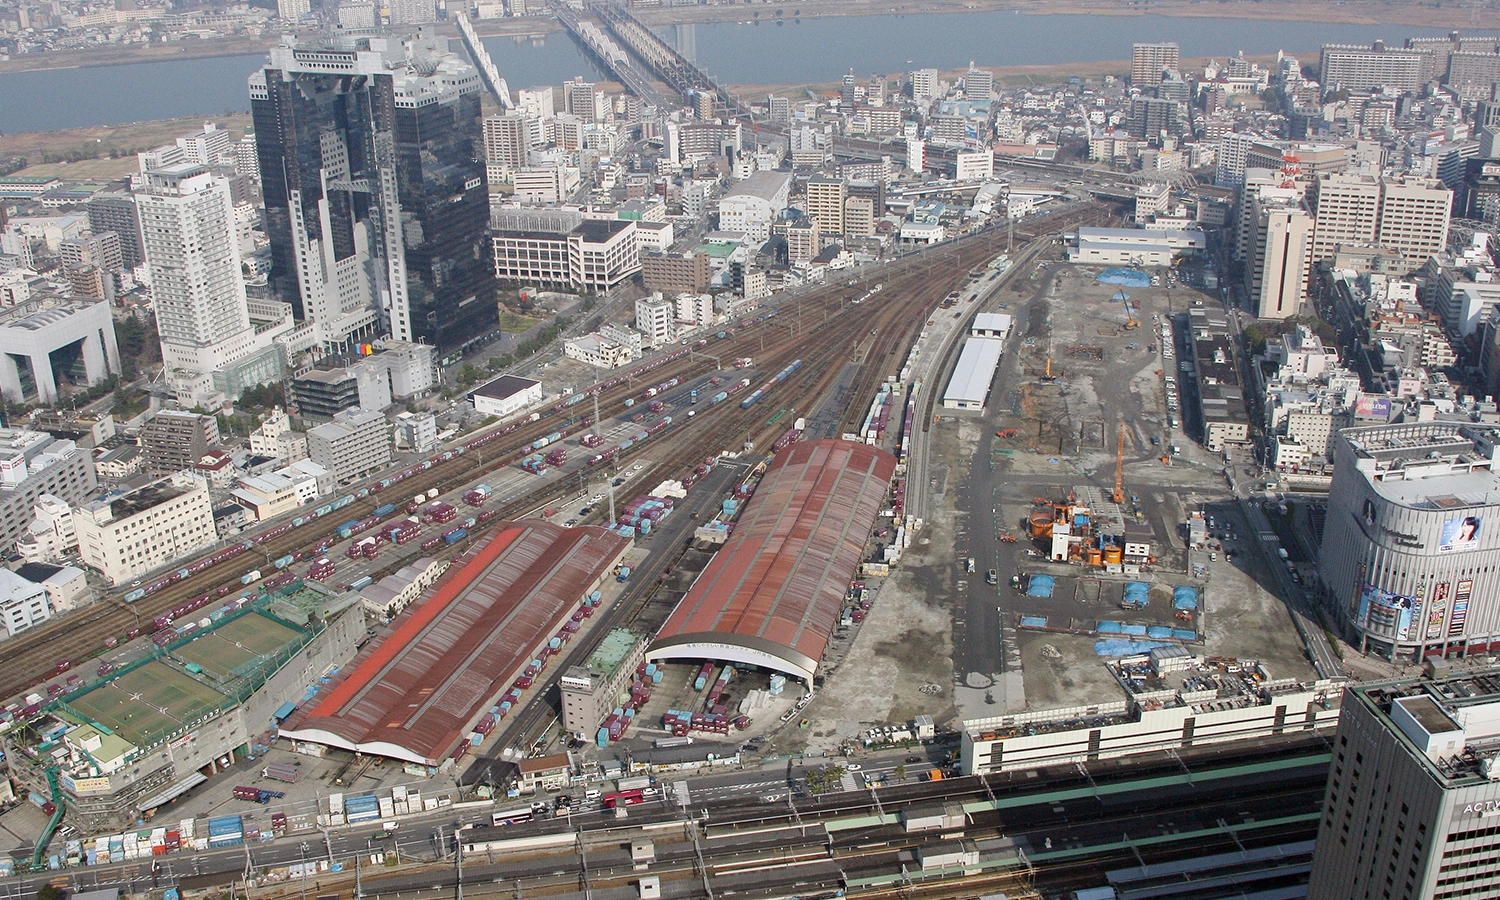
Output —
(614, 62)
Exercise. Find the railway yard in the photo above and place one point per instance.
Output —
(844, 357)
(1076, 389)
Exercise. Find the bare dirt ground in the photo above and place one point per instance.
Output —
(97, 142)
(898, 664)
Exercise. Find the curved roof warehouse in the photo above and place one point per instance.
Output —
(445, 661)
(772, 596)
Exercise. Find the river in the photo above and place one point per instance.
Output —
(810, 51)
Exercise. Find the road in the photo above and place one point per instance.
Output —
(1263, 790)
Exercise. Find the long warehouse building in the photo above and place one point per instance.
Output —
(445, 661)
(772, 596)
(970, 385)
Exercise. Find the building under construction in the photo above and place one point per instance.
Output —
(1088, 528)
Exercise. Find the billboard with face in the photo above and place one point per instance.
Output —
(1460, 534)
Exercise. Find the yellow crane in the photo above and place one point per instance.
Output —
(1130, 320)
(1120, 466)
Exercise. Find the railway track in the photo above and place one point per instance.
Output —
(816, 327)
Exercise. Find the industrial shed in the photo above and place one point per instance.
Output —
(970, 385)
(414, 695)
(772, 596)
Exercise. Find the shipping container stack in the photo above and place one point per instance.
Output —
(647, 676)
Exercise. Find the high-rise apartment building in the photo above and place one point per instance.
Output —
(292, 10)
(1413, 791)
(506, 142)
(584, 100)
(875, 91)
(536, 103)
(1149, 60)
(175, 439)
(1230, 161)
(825, 203)
(356, 442)
(208, 147)
(979, 84)
(187, 226)
(116, 211)
(1407, 214)
(375, 196)
(1355, 67)
(1276, 272)
(924, 84)
(412, 12)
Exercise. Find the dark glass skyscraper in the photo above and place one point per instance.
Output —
(372, 169)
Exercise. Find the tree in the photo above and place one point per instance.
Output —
(47, 892)
(899, 772)
(469, 374)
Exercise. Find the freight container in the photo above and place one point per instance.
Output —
(223, 831)
(384, 510)
(455, 535)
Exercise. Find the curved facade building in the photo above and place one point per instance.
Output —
(772, 596)
(1410, 557)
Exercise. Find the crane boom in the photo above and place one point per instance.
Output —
(1120, 466)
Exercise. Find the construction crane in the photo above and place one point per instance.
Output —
(1130, 320)
(1119, 496)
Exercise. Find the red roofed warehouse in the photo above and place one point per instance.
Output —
(772, 596)
(414, 695)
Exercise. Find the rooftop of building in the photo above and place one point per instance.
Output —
(766, 185)
(1166, 678)
(598, 231)
(773, 594)
(1450, 724)
(611, 651)
(142, 498)
(411, 694)
(503, 387)
(975, 370)
(1431, 465)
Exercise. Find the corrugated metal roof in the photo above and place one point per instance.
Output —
(772, 595)
(975, 370)
(412, 695)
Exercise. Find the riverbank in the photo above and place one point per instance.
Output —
(90, 148)
(1008, 76)
(1422, 13)
(1429, 14)
(135, 53)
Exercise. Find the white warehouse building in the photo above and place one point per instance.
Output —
(752, 204)
(970, 385)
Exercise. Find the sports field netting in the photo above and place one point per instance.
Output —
(235, 647)
(146, 704)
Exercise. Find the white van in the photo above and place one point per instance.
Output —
(592, 794)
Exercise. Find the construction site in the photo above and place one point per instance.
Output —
(1071, 495)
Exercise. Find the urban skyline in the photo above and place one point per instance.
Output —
(1072, 488)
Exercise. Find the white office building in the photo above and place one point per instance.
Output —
(22, 603)
(126, 536)
(656, 320)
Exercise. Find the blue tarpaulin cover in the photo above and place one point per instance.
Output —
(1040, 586)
